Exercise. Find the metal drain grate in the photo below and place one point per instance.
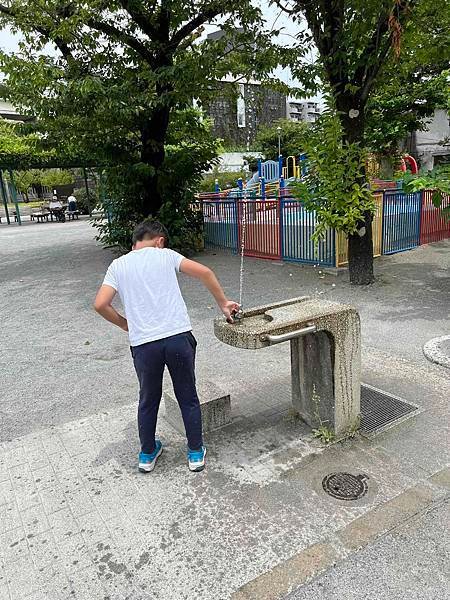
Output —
(345, 486)
(380, 410)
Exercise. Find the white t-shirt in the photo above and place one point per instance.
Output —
(147, 283)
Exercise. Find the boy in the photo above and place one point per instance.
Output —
(160, 332)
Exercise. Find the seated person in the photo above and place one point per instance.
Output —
(71, 203)
(55, 203)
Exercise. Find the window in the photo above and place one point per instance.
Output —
(241, 105)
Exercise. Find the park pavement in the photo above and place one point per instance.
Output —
(77, 520)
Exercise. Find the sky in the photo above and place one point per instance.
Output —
(273, 15)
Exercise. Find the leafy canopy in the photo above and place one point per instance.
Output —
(332, 186)
(293, 136)
(411, 86)
(119, 66)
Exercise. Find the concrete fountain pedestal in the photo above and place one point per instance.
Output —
(325, 341)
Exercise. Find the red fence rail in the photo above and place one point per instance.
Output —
(433, 225)
(262, 228)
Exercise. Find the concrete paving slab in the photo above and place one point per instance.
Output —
(409, 563)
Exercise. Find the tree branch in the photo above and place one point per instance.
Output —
(366, 74)
(190, 27)
(61, 44)
(288, 11)
(371, 49)
(139, 17)
(369, 79)
(123, 37)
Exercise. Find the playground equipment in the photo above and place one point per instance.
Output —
(407, 158)
(325, 345)
(273, 178)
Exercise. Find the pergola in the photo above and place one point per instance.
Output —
(11, 163)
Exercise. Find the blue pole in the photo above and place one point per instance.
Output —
(282, 186)
(4, 197)
(14, 195)
(216, 186)
(240, 185)
(263, 188)
(280, 166)
(302, 162)
(259, 167)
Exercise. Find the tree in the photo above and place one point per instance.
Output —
(331, 186)
(190, 150)
(123, 69)
(410, 89)
(25, 150)
(292, 136)
(354, 40)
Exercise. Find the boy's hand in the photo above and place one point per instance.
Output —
(228, 307)
(124, 325)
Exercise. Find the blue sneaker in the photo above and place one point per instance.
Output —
(147, 462)
(196, 459)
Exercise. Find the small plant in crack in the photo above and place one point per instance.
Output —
(322, 432)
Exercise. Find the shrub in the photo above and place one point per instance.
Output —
(82, 200)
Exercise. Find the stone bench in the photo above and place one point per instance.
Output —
(215, 407)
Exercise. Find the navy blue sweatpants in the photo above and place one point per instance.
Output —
(178, 353)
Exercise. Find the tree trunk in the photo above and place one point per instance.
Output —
(153, 137)
(360, 254)
(360, 244)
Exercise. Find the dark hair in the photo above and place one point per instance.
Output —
(148, 230)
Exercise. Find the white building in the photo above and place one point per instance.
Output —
(431, 147)
(8, 112)
(304, 110)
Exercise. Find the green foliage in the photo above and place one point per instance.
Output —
(52, 177)
(194, 152)
(355, 42)
(334, 186)
(24, 180)
(411, 87)
(226, 180)
(119, 91)
(325, 435)
(252, 162)
(22, 148)
(293, 135)
(83, 203)
(437, 180)
(121, 71)
(401, 106)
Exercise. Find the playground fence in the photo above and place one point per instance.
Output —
(377, 234)
(220, 224)
(281, 228)
(297, 227)
(401, 221)
(433, 226)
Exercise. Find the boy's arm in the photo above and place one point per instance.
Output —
(102, 304)
(209, 280)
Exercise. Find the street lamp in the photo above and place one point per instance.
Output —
(279, 140)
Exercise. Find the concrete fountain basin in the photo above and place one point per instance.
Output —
(325, 342)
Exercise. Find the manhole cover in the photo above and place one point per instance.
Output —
(345, 486)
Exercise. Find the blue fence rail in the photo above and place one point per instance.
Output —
(221, 224)
(297, 227)
(401, 221)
